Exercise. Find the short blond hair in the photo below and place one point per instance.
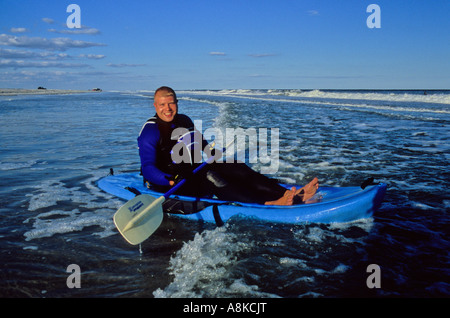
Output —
(166, 91)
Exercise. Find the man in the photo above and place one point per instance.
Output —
(228, 181)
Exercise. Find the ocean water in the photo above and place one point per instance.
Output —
(52, 214)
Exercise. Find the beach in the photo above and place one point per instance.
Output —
(23, 91)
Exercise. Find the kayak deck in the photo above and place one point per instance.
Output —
(335, 204)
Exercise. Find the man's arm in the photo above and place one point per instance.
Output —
(147, 142)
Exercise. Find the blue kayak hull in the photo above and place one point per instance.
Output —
(335, 204)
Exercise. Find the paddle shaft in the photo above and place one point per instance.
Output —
(140, 217)
(180, 184)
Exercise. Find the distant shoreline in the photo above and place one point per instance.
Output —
(21, 91)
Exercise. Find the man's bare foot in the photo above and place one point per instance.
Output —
(308, 190)
(286, 199)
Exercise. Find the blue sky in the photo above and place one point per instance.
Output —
(199, 44)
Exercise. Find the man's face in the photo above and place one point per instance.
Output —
(166, 107)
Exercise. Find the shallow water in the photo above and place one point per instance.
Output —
(55, 148)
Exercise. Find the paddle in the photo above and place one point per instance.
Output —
(140, 217)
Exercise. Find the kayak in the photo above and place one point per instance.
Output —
(333, 204)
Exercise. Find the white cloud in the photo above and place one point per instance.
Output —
(6, 63)
(22, 54)
(313, 12)
(124, 65)
(28, 77)
(54, 44)
(48, 20)
(82, 30)
(24, 59)
(217, 53)
(18, 30)
(13, 54)
(92, 56)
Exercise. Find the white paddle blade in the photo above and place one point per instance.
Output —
(137, 219)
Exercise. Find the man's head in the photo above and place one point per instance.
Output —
(166, 103)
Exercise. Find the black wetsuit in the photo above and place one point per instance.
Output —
(228, 181)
